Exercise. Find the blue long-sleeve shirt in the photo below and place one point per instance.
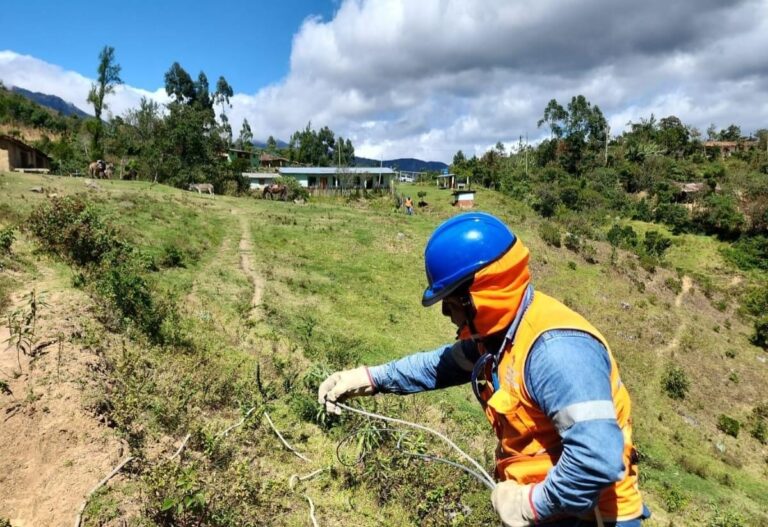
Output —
(567, 374)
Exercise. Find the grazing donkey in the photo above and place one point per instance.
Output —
(202, 187)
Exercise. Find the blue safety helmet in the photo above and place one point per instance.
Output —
(459, 248)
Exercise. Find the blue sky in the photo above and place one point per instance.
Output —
(249, 42)
(410, 78)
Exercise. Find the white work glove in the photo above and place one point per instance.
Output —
(514, 504)
(343, 385)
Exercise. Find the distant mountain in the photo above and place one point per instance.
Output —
(263, 144)
(51, 101)
(408, 164)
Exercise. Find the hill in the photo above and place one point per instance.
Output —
(51, 101)
(187, 352)
(408, 164)
(263, 144)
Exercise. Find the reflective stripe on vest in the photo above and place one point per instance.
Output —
(529, 443)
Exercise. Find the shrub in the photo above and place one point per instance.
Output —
(674, 285)
(728, 425)
(748, 253)
(673, 215)
(656, 244)
(727, 519)
(550, 233)
(720, 216)
(755, 301)
(589, 253)
(675, 383)
(72, 229)
(624, 237)
(572, 242)
(7, 237)
(760, 336)
(172, 257)
(674, 498)
(760, 432)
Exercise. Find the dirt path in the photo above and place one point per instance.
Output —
(675, 342)
(246, 264)
(53, 452)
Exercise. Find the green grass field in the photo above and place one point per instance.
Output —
(340, 284)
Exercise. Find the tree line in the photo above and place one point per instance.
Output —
(184, 141)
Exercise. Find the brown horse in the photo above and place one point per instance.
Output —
(275, 191)
(96, 169)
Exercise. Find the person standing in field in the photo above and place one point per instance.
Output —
(544, 375)
(409, 206)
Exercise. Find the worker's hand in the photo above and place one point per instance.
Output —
(343, 385)
(514, 504)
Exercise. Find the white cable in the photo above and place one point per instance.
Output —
(487, 479)
(279, 435)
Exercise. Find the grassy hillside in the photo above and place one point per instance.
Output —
(337, 283)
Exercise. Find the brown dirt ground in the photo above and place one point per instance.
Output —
(53, 451)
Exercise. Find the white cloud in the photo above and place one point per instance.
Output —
(425, 79)
(36, 75)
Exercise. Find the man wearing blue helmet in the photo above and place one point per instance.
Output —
(543, 374)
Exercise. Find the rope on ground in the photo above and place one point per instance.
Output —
(311, 511)
(295, 478)
(240, 422)
(426, 457)
(482, 474)
(97, 487)
(280, 436)
(183, 444)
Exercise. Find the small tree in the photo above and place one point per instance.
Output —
(107, 80)
(675, 383)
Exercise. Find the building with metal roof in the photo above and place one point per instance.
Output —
(341, 177)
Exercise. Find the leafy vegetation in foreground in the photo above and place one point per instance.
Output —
(342, 282)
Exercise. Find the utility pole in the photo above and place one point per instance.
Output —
(607, 131)
(526, 154)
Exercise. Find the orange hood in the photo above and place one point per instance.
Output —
(497, 291)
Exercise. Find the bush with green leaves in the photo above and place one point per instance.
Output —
(656, 244)
(572, 242)
(760, 431)
(727, 518)
(749, 252)
(728, 425)
(7, 237)
(674, 285)
(760, 336)
(550, 233)
(624, 237)
(675, 383)
(71, 228)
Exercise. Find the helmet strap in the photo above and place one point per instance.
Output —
(469, 312)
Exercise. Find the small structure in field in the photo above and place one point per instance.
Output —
(20, 157)
(452, 181)
(464, 199)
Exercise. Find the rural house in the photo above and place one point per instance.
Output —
(19, 156)
(272, 161)
(235, 153)
(727, 148)
(323, 178)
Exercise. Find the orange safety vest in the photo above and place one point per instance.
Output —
(529, 444)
